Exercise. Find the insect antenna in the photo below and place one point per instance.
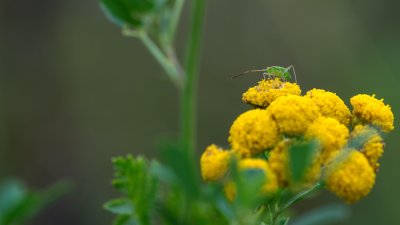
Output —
(246, 72)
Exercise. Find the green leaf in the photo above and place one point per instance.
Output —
(125, 220)
(284, 221)
(133, 179)
(248, 184)
(325, 215)
(163, 173)
(119, 206)
(117, 13)
(28, 203)
(301, 156)
(12, 192)
(133, 13)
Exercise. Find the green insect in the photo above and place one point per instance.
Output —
(274, 71)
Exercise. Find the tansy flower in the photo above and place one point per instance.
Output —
(293, 114)
(214, 163)
(373, 147)
(268, 90)
(330, 105)
(271, 183)
(253, 132)
(369, 110)
(278, 160)
(352, 178)
(331, 134)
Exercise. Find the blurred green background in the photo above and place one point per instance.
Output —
(74, 92)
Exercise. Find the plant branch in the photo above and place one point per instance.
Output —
(169, 66)
(191, 66)
(168, 61)
(176, 14)
(299, 197)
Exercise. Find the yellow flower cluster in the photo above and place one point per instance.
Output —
(369, 110)
(267, 91)
(214, 163)
(293, 114)
(351, 178)
(347, 154)
(253, 132)
(373, 147)
(331, 134)
(330, 105)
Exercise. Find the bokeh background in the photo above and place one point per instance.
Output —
(74, 92)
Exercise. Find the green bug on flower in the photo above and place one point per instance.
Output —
(280, 72)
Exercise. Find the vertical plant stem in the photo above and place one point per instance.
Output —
(188, 98)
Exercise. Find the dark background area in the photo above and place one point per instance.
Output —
(74, 92)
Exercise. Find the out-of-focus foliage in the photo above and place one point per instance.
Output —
(172, 193)
(18, 204)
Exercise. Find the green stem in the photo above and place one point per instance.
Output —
(299, 197)
(166, 63)
(169, 64)
(191, 66)
(176, 14)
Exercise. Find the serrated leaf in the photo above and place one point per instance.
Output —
(301, 156)
(119, 206)
(133, 179)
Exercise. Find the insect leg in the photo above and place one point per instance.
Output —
(264, 75)
(270, 76)
(294, 72)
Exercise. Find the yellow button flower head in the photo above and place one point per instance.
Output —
(293, 114)
(268, 90)
(369, 110)
(214, 163)
(331, 134)
(253, 132)
(372, 148)
(330, 105)
(350, 179)
(271, 183)
(278, 160)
